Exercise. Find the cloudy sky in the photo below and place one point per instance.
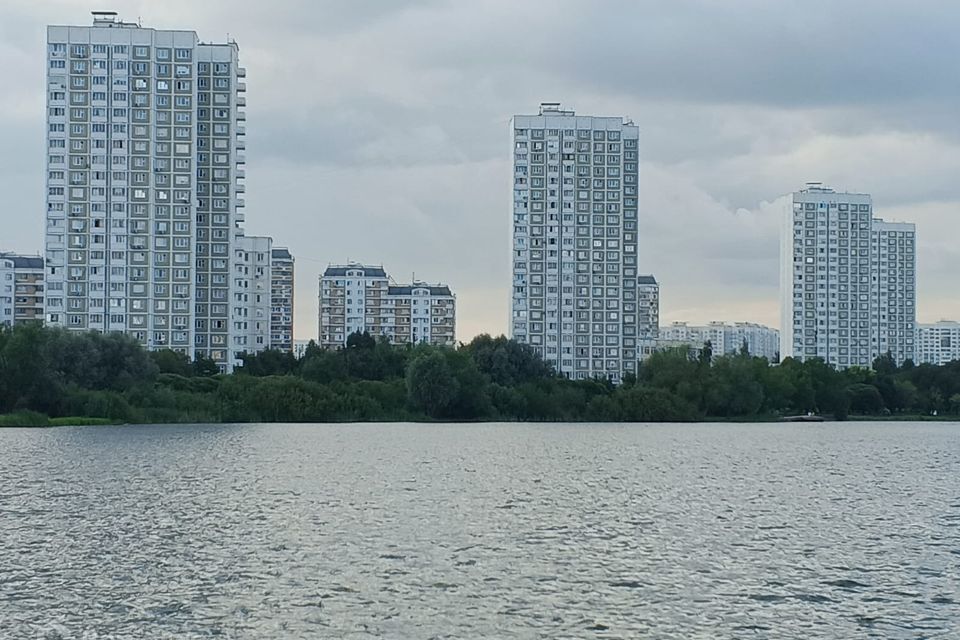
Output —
(378, 131)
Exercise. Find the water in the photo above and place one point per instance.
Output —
(481, 531)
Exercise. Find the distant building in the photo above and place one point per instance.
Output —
(938, 343)
(357, 298)
(252, 296)
(574, 270)
(724, 337)
(281, 304)
(847, 280)
(300, 347)
(648, 307)
(21, 288)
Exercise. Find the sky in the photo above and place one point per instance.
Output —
(378, 132)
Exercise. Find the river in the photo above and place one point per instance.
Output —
(719, 531)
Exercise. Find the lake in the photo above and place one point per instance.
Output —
(716, 531)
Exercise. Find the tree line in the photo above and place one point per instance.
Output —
(62, 374)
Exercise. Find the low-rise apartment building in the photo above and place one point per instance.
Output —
(363, 298)
(938, 343)
(21, 288)
(725, 338)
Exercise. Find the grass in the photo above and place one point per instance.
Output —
(34, 419)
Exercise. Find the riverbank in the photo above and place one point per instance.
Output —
(34, 419)
(73, 376)
(30, 419)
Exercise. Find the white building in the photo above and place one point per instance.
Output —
(252, 282)
(144, 183)
(648, 308)
(300, 347)
(21, 288)
(281, 291)
(847, 280)
(893, 305)
(362, 298)
(938, 343)
(7, 286)
(574, 251)
(725, 338)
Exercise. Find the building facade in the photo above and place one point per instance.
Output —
(281, 303)
(252, 283)
(938, 343)
(362, 298)
(144, 178)
(21, 288)
(725, 338)
(574, 250)
(893, 313)
(648, 308)
(835, 259)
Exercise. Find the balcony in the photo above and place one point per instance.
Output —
(241, 87)
(241, 101)
(241, 72)
(241, 203)
(241, 188)
(241, 116)
(241, 130)
(241, 145)
(241, 173)
(241, 158)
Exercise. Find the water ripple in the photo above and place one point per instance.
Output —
(480, 531)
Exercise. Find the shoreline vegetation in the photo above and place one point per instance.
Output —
(53, 377)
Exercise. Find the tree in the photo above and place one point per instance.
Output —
(885, 365)
(204, 366)
(361, 340)
(170, 361)
(654, 405)
(431, 386)
(865, 399)
(507, 362)
(269, 362)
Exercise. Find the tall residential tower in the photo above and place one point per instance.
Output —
(281, 304)
(847, 280)
(144, 183)
(574, 253)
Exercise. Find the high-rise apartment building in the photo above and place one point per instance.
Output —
(847, 280)
(281, 304)
(893, 313)
(144, 183)
(938, 343)
(21, 288)
(574, 254)
(251, 295)
(357, 298)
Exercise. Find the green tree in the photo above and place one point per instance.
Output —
(170, 361)
(654, 405)
(865, 399)
(431, 385)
